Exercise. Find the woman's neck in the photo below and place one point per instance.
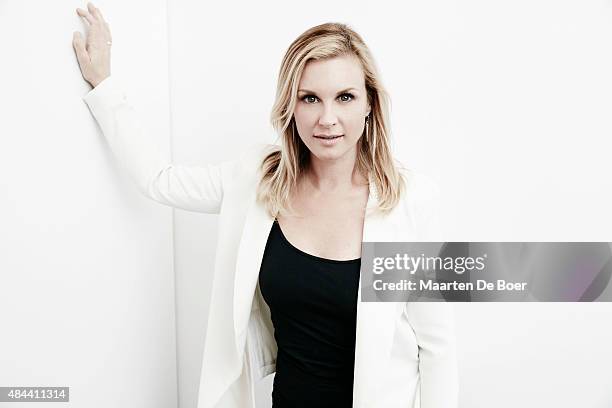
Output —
(334, 176)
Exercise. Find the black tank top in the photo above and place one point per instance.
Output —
(313, 305)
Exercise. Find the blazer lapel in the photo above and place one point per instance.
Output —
(375, 320)
(257, 227)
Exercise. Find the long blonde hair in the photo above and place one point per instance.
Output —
(281, 169)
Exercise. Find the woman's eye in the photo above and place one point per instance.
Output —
(345, 97)
(348, 95)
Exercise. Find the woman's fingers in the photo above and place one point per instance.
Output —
(93, 10)
(79, 48)
(98, 28)
(86, 15)
(94, 62)
(93, 49)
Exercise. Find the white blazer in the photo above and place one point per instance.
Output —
(404, 353)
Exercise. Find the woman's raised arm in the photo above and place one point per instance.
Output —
(193, 188)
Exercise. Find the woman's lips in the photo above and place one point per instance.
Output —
(327, 136)
(329, 140)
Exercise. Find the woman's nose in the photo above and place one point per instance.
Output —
(328, 117)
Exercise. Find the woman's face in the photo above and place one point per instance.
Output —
(332, 101)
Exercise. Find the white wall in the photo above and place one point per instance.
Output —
(505, 104)
(86, 272)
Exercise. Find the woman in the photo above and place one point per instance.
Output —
(286, 295)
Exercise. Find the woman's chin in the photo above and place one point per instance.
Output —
(330, 153)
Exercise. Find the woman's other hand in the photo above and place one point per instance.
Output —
(93, 52)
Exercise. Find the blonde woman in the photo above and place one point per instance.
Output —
(293, 216)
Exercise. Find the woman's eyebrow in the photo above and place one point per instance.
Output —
(339, 92)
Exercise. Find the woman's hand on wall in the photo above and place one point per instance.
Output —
(93, 52)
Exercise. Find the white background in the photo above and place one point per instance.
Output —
(506, 105)
(86, 278)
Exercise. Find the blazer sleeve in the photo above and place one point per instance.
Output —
(192, 188)
(434, 327)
